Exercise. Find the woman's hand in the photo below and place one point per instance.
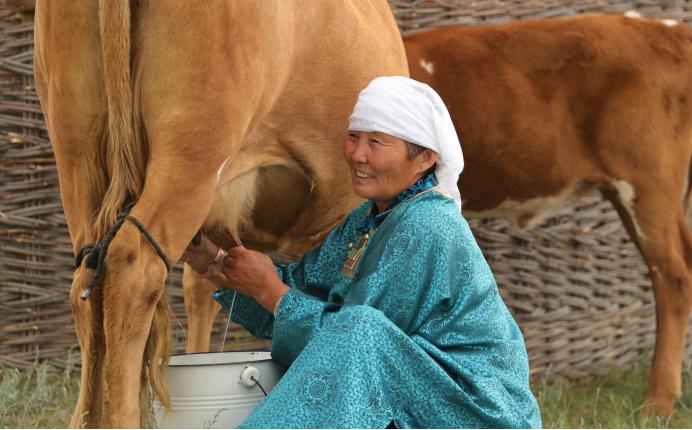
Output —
(253, 274)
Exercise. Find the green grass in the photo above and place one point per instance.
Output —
(612, 401)
(45, 397)
(40, 397)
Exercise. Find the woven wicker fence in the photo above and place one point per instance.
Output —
(576, 284)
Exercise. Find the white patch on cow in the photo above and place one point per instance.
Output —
(655, 271)
(523, 214)
(428, 66)
(633, 14)
(627, 197)
(231, 208)
(530, 213)
(223, 165)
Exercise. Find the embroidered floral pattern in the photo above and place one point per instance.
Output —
(418, 336)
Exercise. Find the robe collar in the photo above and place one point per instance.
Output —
(375, 218)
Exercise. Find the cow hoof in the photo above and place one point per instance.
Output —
(658, 407)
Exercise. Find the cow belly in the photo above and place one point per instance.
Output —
(531, 212)
(259, 208)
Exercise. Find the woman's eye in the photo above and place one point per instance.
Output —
(353, 136)
(375, 141)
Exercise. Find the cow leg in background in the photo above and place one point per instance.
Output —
(201, 310)
(75, 111)
(656, 222)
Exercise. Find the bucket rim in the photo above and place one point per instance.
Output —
(263, 355)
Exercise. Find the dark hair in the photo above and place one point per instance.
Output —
(413, 149)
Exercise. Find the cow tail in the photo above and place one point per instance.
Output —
(126, 168)
(158, 348)
(125, 156)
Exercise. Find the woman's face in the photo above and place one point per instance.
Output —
(380, 167)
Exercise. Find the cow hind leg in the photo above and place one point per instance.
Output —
(201, 310)
(655, 219)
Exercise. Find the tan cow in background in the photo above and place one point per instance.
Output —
(227, 114)
(549, 110)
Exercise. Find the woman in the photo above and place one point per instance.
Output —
(395, 318)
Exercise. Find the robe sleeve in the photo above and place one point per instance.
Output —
(303, 278)
(246, 312)
(297, 320)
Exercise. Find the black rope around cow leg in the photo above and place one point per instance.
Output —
(86, 249)
(97, 252)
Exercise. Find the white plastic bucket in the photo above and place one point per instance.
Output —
(216, 389)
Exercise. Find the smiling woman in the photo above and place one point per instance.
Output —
(395, 319)
(381, 165)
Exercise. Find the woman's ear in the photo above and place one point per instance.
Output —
(426, 159)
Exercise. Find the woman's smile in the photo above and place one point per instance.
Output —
(359, 177)
(362, 174)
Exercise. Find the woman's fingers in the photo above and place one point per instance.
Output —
(246, 266)
(250, 273)
(229, 263)
(219, 279)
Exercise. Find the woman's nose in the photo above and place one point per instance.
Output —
(359, 152)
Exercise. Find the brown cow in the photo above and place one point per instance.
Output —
(223, 113)
(548, 110)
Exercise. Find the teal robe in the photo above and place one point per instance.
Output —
(419, 336)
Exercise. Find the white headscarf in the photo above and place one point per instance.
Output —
(414, 112)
